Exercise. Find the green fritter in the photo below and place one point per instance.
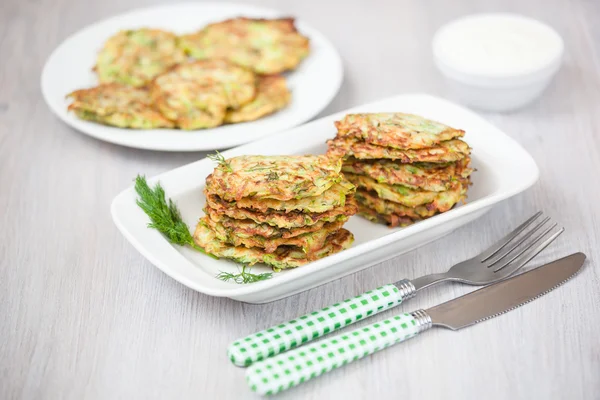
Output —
(272, 95)
(273, 177)
(246, 228)
(308, 242)
(135, 57)
(284, 256)
(396, 130)
(281, 219)
(333, 197)
(404, 195)
(449, 151)
(268, 46)
(117, 105)
(393, 221)
(443, 203)
(197, 95)
(426, 176)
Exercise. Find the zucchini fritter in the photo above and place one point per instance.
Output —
(396, 130)
(274, 177)
(443, 203)
(283, 257)
(272, 95)
(333, 197)
(404, 195)
(308, 242)
(134, 57)
(246, 227)
(391, 220)
(427, 176)
(117, 105)
(196, 95)
(448, 151)
(281, 219)
(268, 46)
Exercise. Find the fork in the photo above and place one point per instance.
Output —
(498, 262)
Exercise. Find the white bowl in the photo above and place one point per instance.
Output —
(497, 62)
(504, 169)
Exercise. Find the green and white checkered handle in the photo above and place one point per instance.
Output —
(286, 336)
(294, 367)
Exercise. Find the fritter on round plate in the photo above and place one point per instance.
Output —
(134, 57)
(448, 151)
(273, 177)
(281, 219)
(396, 130)
(196, 95)
(245, 228)
(404, 195)
(268, 46)
(283, 257)
(117, 105)
(427, 176)
(272, 95)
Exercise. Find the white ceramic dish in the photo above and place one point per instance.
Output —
(313, 84)
(498, 61)
(503, 170)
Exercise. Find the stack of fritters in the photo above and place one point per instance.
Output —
(228, 72)
(405, 167)
(284, 211)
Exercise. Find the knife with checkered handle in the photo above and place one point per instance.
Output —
(294, 367)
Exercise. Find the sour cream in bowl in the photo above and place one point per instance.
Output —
(497, 62)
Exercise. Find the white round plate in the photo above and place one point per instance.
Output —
(313, 84)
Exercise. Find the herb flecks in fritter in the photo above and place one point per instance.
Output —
(406, 167)
(272, 95)
(396, 130)
(117, 105)
(268, 46)
(135, 57)
(283, 211)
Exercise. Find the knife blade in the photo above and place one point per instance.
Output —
(505, 296)
(294, 367)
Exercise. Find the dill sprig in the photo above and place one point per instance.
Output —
(219, 159)
(164, 216)
(244, 276)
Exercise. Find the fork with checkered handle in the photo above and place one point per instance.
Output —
(498, 262)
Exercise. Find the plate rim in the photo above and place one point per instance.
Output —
(356, 250)
(79, 125)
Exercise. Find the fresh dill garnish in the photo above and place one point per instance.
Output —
(244, 276)
(273, 176)
(219, 159)
(164, 216)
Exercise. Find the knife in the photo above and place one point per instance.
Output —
(294, 367)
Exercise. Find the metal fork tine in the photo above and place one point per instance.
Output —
(496, 247)
(520, 242)
(525, 256)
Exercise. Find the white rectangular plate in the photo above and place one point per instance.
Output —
(504, 169)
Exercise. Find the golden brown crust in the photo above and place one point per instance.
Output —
(281, 219)
(272, 95)
(427, 176)
(117, 105)
(448, 151)
(268, 46)
(396, 130)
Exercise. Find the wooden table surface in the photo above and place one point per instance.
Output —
(84, 316)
